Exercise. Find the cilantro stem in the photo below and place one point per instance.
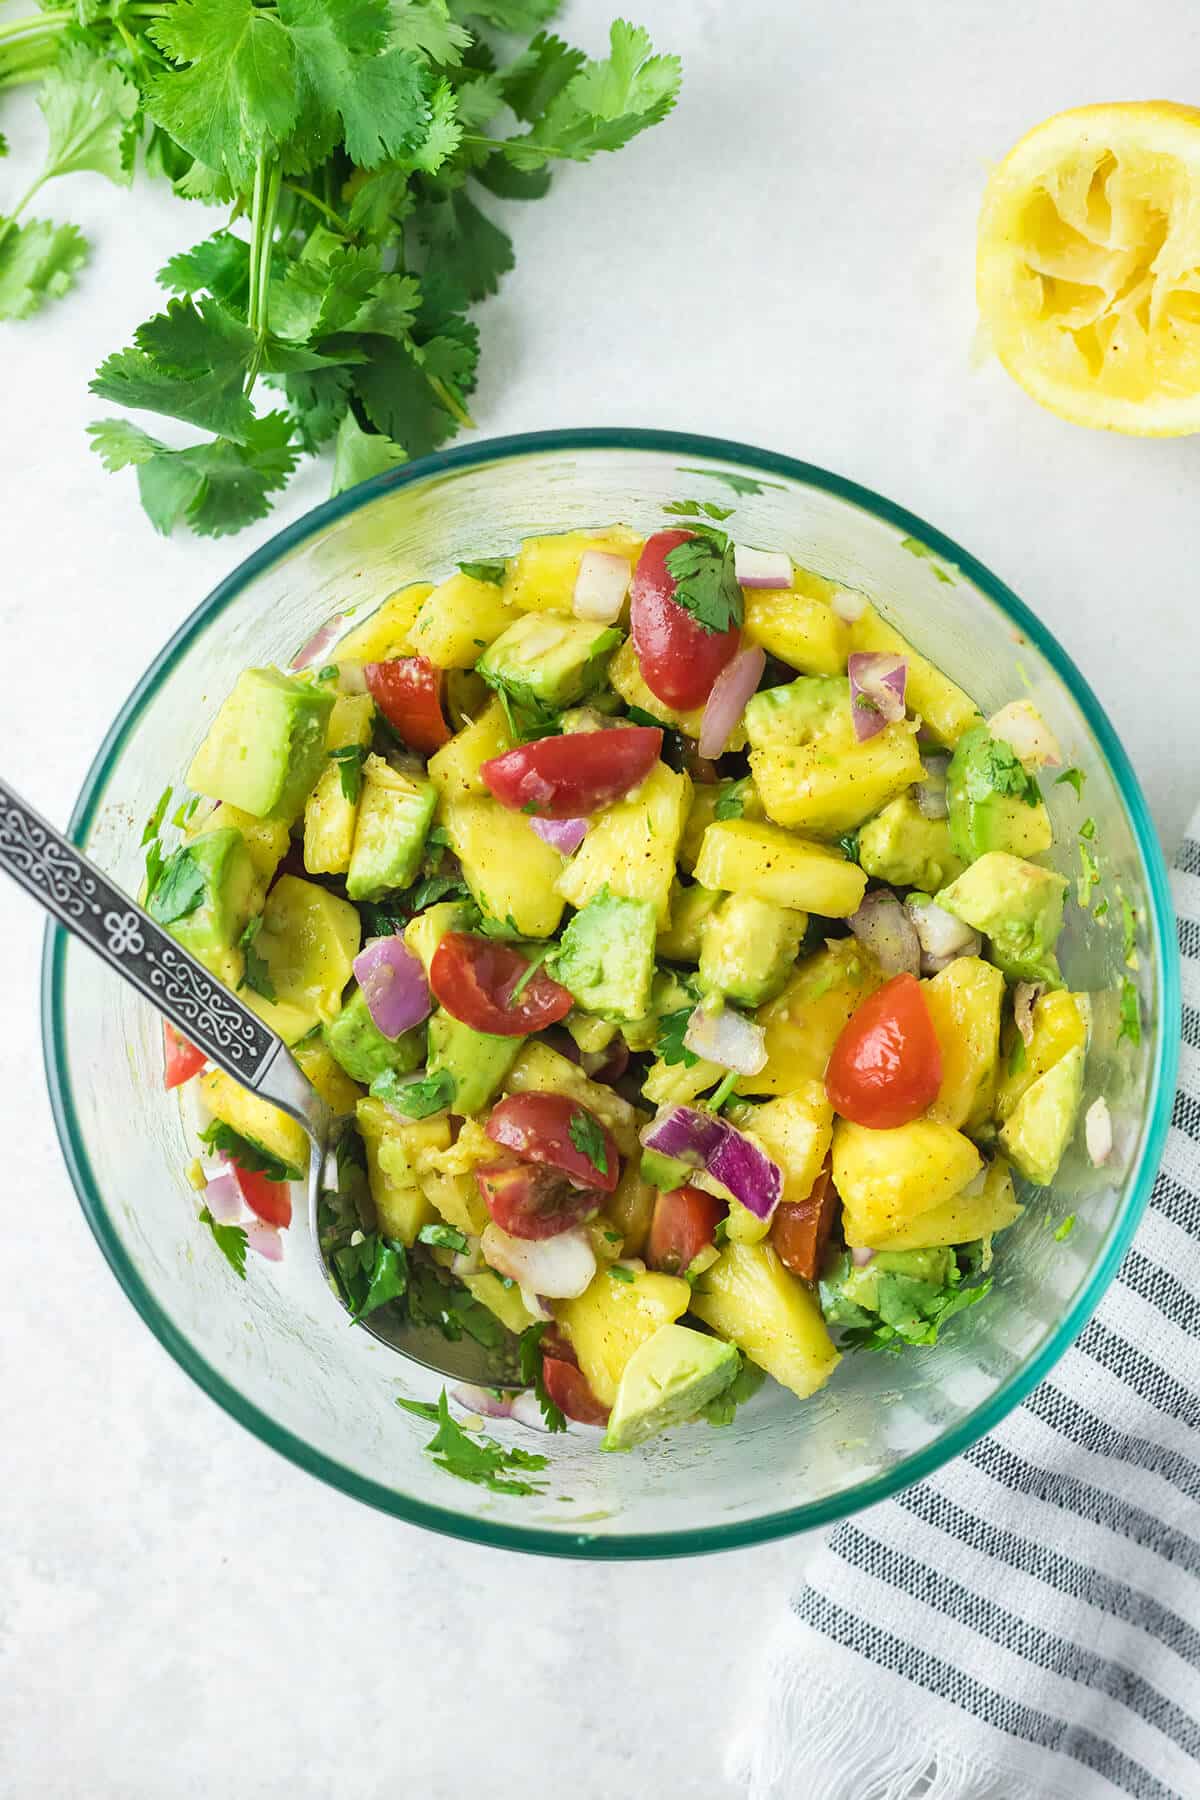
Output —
(37, 24)
(7, 224)
(264, 205)
(720, 1095)
(528, 976)
(487, 143)
(452, 404)
(338, 223)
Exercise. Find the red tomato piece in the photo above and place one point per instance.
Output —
(568, 777)
(181, 1060)
(557, 1131)
(408, 692)
(530, 1200)
(678, 658)
(270, 1201)
(801, 1229)
(886, 1067)
(474, 977)
(567, 1386)
(682, 1225)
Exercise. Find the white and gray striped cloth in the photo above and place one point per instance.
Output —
(1026, 1624)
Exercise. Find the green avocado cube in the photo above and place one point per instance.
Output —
(784, 718)
(204, 896)
(1042, 1123)
(356, 1042)
(666, 1173)
(668, 1379)
(748, 948)
(546, 661)
(1018, 906)
(477, 1060)
(395, 811)
(606, 957)
(266, 746)
(993, 803)
(907, 850)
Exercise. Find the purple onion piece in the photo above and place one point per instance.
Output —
(564, 835)
(393, 985)
(877, 684)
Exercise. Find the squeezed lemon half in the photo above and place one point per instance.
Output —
(1088, 271)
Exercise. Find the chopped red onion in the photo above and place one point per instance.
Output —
(601, 586)
(1023, 728)
(352, 678)
(848, 605)
(223, 1198)
(1026, 995)
(484, 1400)
(535, 1306)
(727, 700)
(761, 568)
(469, 1261)
(564, 835)
(1098, 1132)
(877, 683)
(265, 1239)
(727, 1038)
(860, 1258)
(931, 793)
(394, 986)
(882, 926)
(735, 1160)
(314, 650)
(942, 937)
(558, 1268)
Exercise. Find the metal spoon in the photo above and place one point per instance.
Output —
(80, 897)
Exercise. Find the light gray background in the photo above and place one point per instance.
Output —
(790, 261)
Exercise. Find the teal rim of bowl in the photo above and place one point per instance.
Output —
(812, 1515)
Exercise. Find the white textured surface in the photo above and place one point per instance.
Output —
(788, 261)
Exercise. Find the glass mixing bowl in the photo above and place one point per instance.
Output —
(275, 1350)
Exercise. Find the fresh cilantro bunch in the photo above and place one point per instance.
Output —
(349, 144)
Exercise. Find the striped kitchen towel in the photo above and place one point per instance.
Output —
(1026, 1624)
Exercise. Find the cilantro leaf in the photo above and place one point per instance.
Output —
(997, 769)
(154, 823)
(472, 252)
(231, 1241)
(350, 759)
(359, 454)
(1131, 1014)
(38, 261)
(587, 1137)
(218, 487)
(531, 1354)
(179, 888)
(1072, 778)
(915, 547)
(705, 583)
(257, 974)
(493, 572)
(432, 888)
(415, 1099)
(670, 1047)
(481, 1460)
(218, 265)
(744, 1385)
(1065, 1229)
(696, 509)
(506, 15)
(89, 109)
(352, 84)
(619, 1272)
(737, 484)
(537, 77)
(254, 1157)
(605, 103)
(421, 1409)
(189, 362)
(1089, 876)
(442, 1237)
(233, 91)
(387, 1276)
(731, 803)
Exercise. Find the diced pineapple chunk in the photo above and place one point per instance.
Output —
(796, 1131)
(447, 1174)
(832, 784)
(309, 940)
(631, 1209)
(889, 1178)
(632, 846)
(541, 576)
(805, 1022)
(385, 633)
(1060, 1025)
(749, 1298)
(540, 1070)
(458, 621)
(254, 1118)
(329, 815)
(454, 769)
(1042, 1124)
(706, 797)
(743, 856)
(963, 1218)
(944, 709)
(266, 839)
(393, 1147)
(681, 940)
(608, 1322)
(506, 1302)
(511, 873)
(964, 1003)
(318, 1065)
(625, 678)
(677, 1083)
(798, 624)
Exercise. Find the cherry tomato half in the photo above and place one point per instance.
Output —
(474, 977)
(408, 692)
(678, 658)
(557, 1131)
(800, 1229)
(567, 1386)
(530, 1200)
(886, 1067)
(270, 1201)
(683, 1224)
(567, 777)
(181, 1060)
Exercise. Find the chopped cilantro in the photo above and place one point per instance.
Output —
(721, 1093)
(423, 1409)
(384, 1264)
(695, 509)
(731, 801)
(531, 969)
(418, 1099)
(998, 770)
(328, 673)
(613, 1237)
(705, 583)
(640, 716)
(480, 1460)
(154, 822)
(1074, 778)
(1129, 931)
(178, 886)
(436, 1298)
(848, 845)
(247, 1154)
(1131, 1014)
(493, 572)
(1017, 1056)
(1065, 1229)
(915, 547)
(588, 1138)
(432, 888)
(531, 1374)
(1089, 876)
(745, 1383)
(230, 1240)
(670, 1047)
(619, 1272)
(737, 484)
(155, 864)
(1100, 910)
(350, 759)
(443, 1237)
(1088, 829)
(257, 974)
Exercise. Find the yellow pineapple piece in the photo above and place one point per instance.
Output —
(630, 1209)
(706, 797)
(506, 1302)
(608, 1322)
(458, 621)
(798, 624)
(795, 1130)
(964, 1003)
(447, 1175)
(318, 1065)
(889, 1178)
(385, 633)
(804, 1023)
(748, 1298)
(632, 846)
(393, 1148)
(254, 1118)
(681, 940)
(511, 873)
(266, 840)
(329, 817)
(454, 769)
(540, 1070)
(743, 856)
(1060, 1025)
(309, 939)
(942, 706)
(832, 784)
(541, 576)
(963, 1218)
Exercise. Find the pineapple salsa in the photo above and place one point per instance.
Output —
(672, 937)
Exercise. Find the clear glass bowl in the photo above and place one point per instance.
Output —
(276, 1352)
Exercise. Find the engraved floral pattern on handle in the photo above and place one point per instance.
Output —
(83, 900)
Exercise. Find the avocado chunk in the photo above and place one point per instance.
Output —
(668, 1379)
(994, 803)
(787, 717)
(394, 815)
(606, 957)
(1043, 1122)
(266, 746)
(690, 906)
(477, 1060)
(666, 1173)
(748, 947)
(545, 662)
(356, 1042)
(907, 850)
(1018, 907)
(669, 993)
(425, 932)
(204, 896)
